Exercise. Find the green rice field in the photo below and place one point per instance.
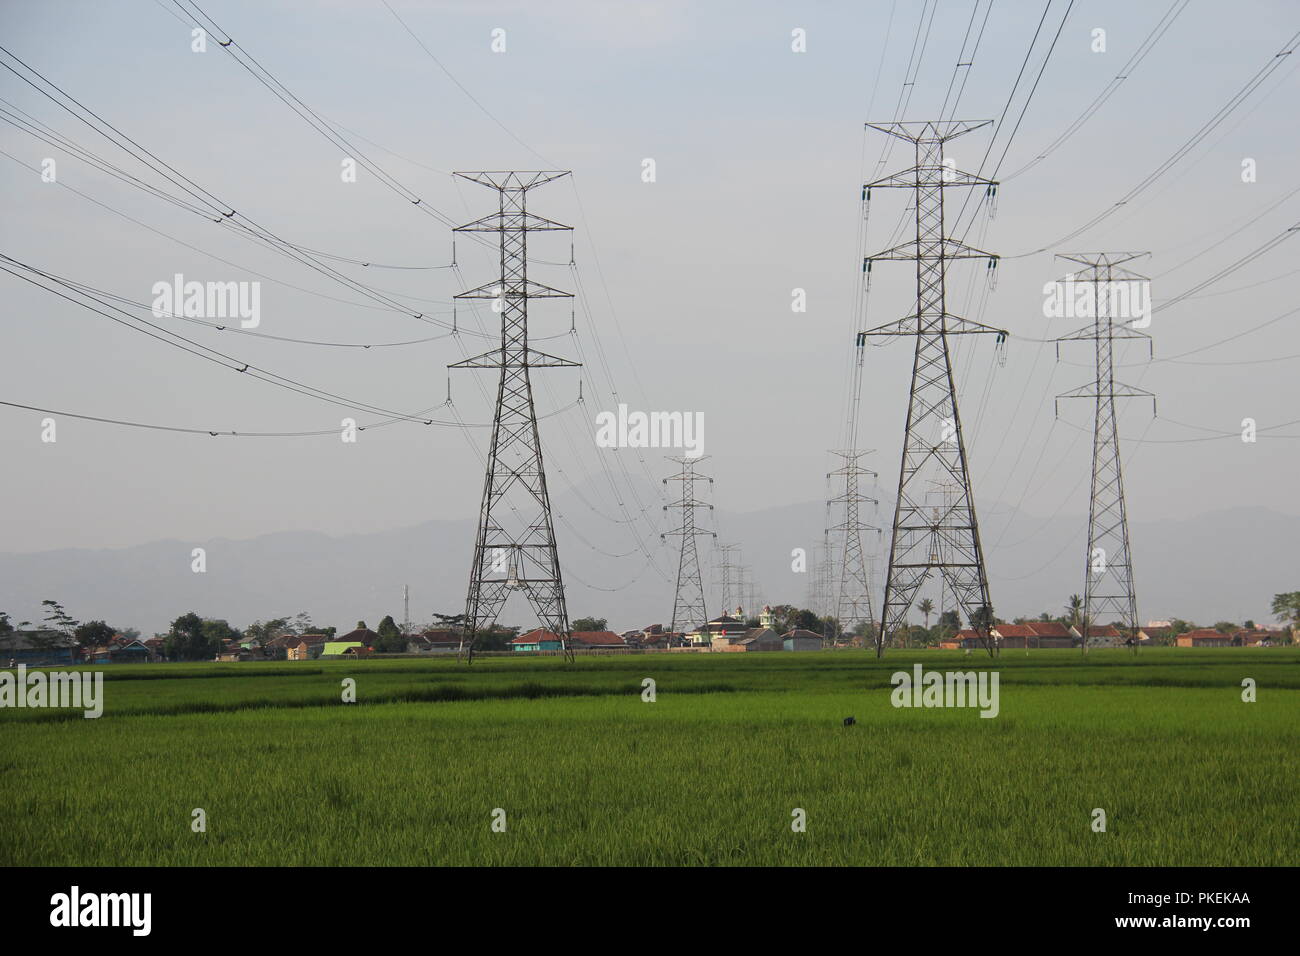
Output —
(710, 773)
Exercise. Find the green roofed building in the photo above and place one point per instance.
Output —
(338, 648)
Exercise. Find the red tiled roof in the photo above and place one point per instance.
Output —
(1206, 632)
(1048, 629)
(597, 638)
(1107, 631)
(362, 634)
(536, 636)
(1014, 630)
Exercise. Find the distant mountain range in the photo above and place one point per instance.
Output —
(1225, 565)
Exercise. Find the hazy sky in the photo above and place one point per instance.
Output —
(760, 154)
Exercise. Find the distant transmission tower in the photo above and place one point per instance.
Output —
(1108, 571)
(688, 605)
(515, 547)
(745, 598)
(852, 593)
(726, 571)
(826, 569)
(932, 443)
(813, 596)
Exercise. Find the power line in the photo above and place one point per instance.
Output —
(221, 259)
(194, 348)
(224, 213)
(1208, 127)
(238, 433)
(1125, 71)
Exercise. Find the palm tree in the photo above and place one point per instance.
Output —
(926, 607)
(1074, 607)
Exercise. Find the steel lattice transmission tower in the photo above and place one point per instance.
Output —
(515, 547)
(933, 447)
(853, 593)
(726, 566)
(1108, 571)
(688, 604)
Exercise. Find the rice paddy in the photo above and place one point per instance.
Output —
(539, 762)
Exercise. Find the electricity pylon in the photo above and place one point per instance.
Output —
(853, 594)
(814, 597)
(1108, 571)
(688, 604)
(746, 592)
(932, 442)
(514, 550)
(726, 567)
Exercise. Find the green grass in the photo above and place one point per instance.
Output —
(709, 774)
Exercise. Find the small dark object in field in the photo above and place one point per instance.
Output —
(849, 721)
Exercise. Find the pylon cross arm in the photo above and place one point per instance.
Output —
(947, 176)
(508, 221)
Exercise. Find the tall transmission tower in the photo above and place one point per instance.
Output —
(688, 604)
(932, 442)
(1108, 571)
(853, 593)
(514, 550)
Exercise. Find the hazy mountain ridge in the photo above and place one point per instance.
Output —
(1222, 565)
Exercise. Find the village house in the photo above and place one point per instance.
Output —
(753, 639)
(38, 647)
(596, 641)
(801, 640)
(762, 639)
(541, 639)
(1259, 637)
(1101, 636)
(1212, 637)
(1033, 634)
(435, 642)
(723, 626)
(963, 640)
(362, 635)
(538, 639)
(305, 647)
(339, 648)
(658, 639)
(130, 652)
(1204, 637)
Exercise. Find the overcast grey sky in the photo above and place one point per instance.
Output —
(760, 154)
